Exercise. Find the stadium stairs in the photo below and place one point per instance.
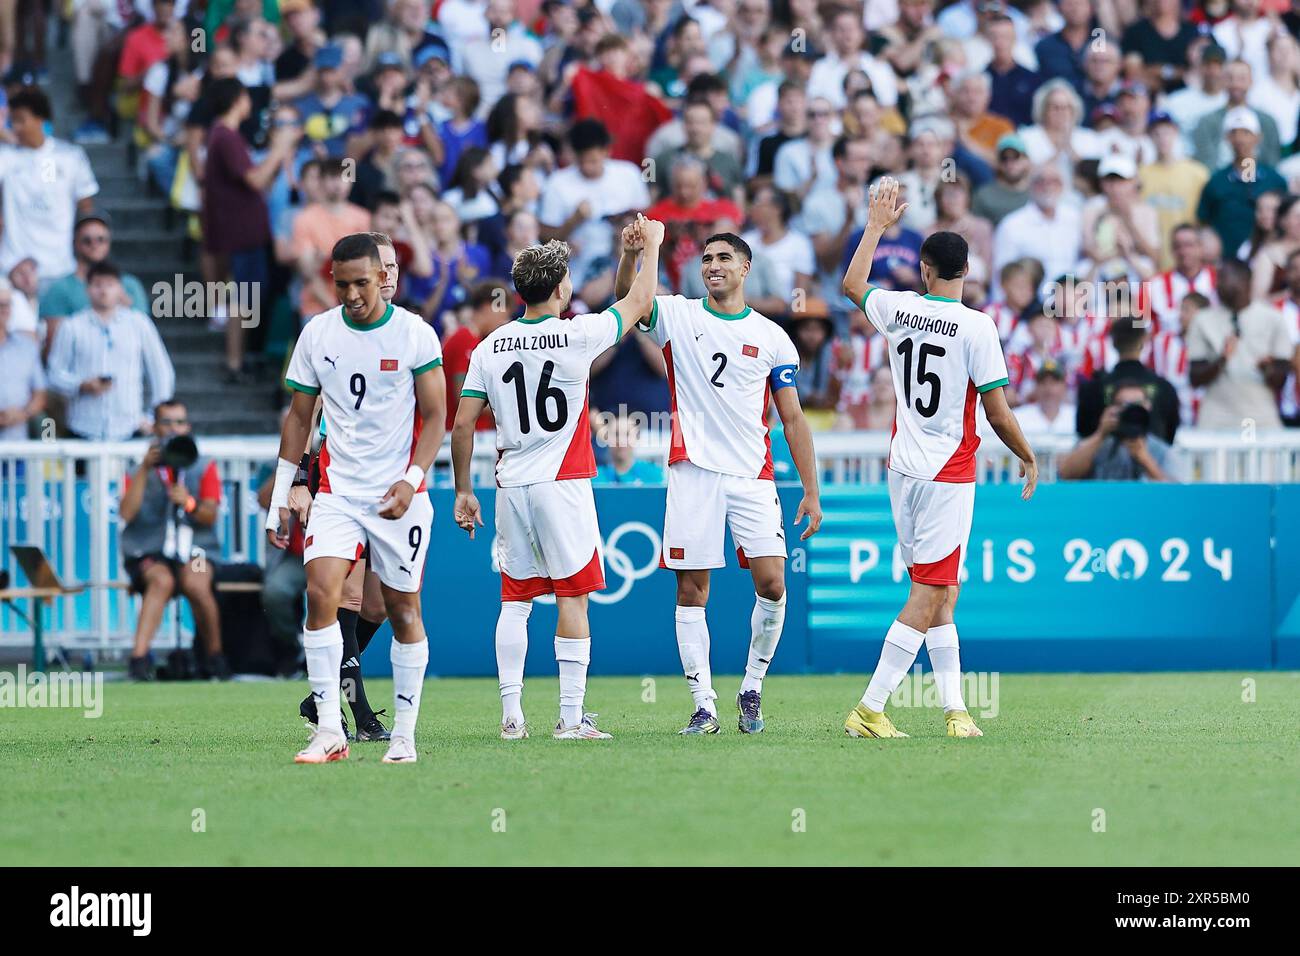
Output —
(150, 241)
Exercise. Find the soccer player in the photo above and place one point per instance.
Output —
(724, 362)
(361, 612)
(534, 373)
(378, 371)
(943, 356)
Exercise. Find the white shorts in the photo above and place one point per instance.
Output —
(342, 527)
(933, 521)
(548, 540)
(702, 503)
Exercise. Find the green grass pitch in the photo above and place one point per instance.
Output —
(1184, 770)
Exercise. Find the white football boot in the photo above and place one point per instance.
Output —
(583, 730)
(325, 746)
(400, 750)
(514, 729)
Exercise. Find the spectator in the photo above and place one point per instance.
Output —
(619, 433)
(1046, 228)
(1061, 55)
(315, 231)
(404, 32)
(168, 91)
(1205, 90)
(236, 221)
(444, 265)
(1244, 34)
(580, 199)
(301, 20)
(724, 173)
(1121, 234)
(978, 128)
(689, 215)
(1098, 393)
(831, 213)
(491, 305)
(882, 403)
(1050, 412)
(1160, 298)
(45, 183)
(376, 172)
(1276, 93)
(1212, 138)
(791, 251)
(804, 164)
(1012, 84)
(1040, 339)
(1268, 266)
(101, 358)
(461, 130)
(1057, 134)
(22, 380)
(1241, 354)
(470, 192)
(897, 263)
(1228, 201)
(1123, 447)
(1103, 79)
(1171, 184)
(486, 58)
(1009, 189)
(515, 128)
(169, 510)
(930, 146)
(847, 53)
(331, 114)
(1156, 45)
(952, 210)
(819, 386)
(92, 241)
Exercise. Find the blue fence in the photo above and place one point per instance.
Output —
(1085, 577)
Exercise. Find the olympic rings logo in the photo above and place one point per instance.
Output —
(617, 562)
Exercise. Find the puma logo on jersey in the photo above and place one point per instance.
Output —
(326, 358)
(698, 336)
(402, 567)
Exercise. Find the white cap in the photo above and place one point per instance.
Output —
(1241, 117)
(1117, 164)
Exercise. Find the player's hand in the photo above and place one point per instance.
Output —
(277, 530)
(881, 214)
(811, 506)
(300, 503)
(1029, 472)
(652, 230)
(396, 501)
(633, 242)
(467, 512)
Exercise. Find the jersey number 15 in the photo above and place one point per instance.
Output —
(905, 349)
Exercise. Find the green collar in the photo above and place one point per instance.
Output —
(388, 314)
(730, 317)
(541, 318)
(937, 298)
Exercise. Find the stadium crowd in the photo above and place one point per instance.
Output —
(1107, 160)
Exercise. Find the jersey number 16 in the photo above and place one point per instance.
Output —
(546, 396)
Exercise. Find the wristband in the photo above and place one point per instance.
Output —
(284, 472)
(301, 476)
(414, 477)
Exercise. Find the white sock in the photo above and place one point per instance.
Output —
(573, 655)
(324, 652)
(693, 646)
(764, 634)
(945, 660)
(896, 657)
(512, 648)
(409, 662)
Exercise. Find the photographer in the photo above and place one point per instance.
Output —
(169, 512)
(1123, 448)
(1129, 336)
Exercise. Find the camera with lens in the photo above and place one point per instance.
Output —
(1134, 421)
(179, 452)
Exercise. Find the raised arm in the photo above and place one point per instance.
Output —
(1005, 426)
(881, 216)
(633, 242)
(635, 305)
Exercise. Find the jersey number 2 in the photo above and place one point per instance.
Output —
(923, 377)
(546, 394)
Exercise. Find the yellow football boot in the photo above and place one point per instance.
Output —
(960, 724)
(868, 723)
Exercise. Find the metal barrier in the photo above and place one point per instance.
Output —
(63, 496)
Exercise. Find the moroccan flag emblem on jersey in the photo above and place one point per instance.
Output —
(751, 351)
(388, 365)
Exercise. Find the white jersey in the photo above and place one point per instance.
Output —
(722, 370)
(942, 354)
(535, 373)
(366, 377)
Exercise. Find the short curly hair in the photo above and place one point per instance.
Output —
(537, 270)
